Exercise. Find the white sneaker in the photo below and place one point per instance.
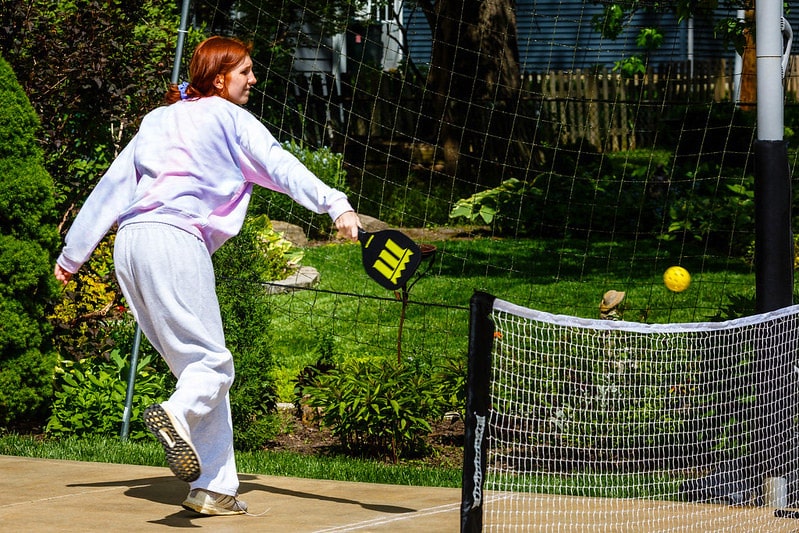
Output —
(212, 503)
(180, 453)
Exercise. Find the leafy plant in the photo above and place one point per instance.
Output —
(255, 256)
(719, 212)
(376, 407)
(311, 373)
(497, 207)
(449, 383)
(90, 303)
(258, 253)
(90, 395)
(112, 60)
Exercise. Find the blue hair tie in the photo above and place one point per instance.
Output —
(182, 88)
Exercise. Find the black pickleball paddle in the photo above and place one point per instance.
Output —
(389, 257)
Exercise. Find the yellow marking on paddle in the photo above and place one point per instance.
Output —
(392, 260)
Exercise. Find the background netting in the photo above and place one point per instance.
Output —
(582, 156)
(598, 163)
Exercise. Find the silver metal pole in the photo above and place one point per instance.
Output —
(768, 24)
(134, 363)
(184, 15)
(134, 356)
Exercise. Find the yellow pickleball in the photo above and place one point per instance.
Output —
(676, 278)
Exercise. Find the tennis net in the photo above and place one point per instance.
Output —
(665, 415)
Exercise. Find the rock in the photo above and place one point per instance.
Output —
(291, 232)
(372, 224)
(304, 277)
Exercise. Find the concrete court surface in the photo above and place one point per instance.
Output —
(62, 496)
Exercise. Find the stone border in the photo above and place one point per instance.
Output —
(304, 277)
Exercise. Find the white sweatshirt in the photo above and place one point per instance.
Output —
(192, 164)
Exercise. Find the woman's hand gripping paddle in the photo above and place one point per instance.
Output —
(389, 257)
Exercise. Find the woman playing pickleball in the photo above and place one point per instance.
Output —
(178, 191)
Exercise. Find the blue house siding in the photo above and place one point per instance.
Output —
(557, 35)
(418, 34)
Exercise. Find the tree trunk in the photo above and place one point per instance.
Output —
(474, 79)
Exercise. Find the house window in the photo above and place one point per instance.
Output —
(383, 12)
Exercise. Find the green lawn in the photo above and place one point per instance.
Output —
(150, 453)
(562, 276)
(656, 485)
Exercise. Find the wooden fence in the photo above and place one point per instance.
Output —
(612, 112)
(599, 106)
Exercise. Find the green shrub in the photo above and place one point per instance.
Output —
(376, 407)
(505, 208)
(328, 166)
(716, 210)
(405, 200)
(90, 306)
(256, 256)
(91, 391)
(449, 383)
(28, 240)
(324, 364)
(625, 194)
(90, 395)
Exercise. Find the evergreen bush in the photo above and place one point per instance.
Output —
(243, 265)
(28, 240)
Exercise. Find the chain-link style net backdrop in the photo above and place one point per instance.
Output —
(598, 160)
(557, 154)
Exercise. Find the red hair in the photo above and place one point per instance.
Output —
(214, 56)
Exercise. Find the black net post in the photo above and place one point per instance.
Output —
(773, 235)
(481, 338)
(772, 423)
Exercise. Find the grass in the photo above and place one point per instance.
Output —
(562, 276)
(657, 485)
(150, 453)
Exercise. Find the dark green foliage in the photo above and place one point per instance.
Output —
(449, 382)
(506, 208)
(625, 194)
(243, 265)
(377, 407)
(323, 365)
(718, 211)
(720, 133)
(28, 239)
(90, 395)
(92, 70)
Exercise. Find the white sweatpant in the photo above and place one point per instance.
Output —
(167, 277)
